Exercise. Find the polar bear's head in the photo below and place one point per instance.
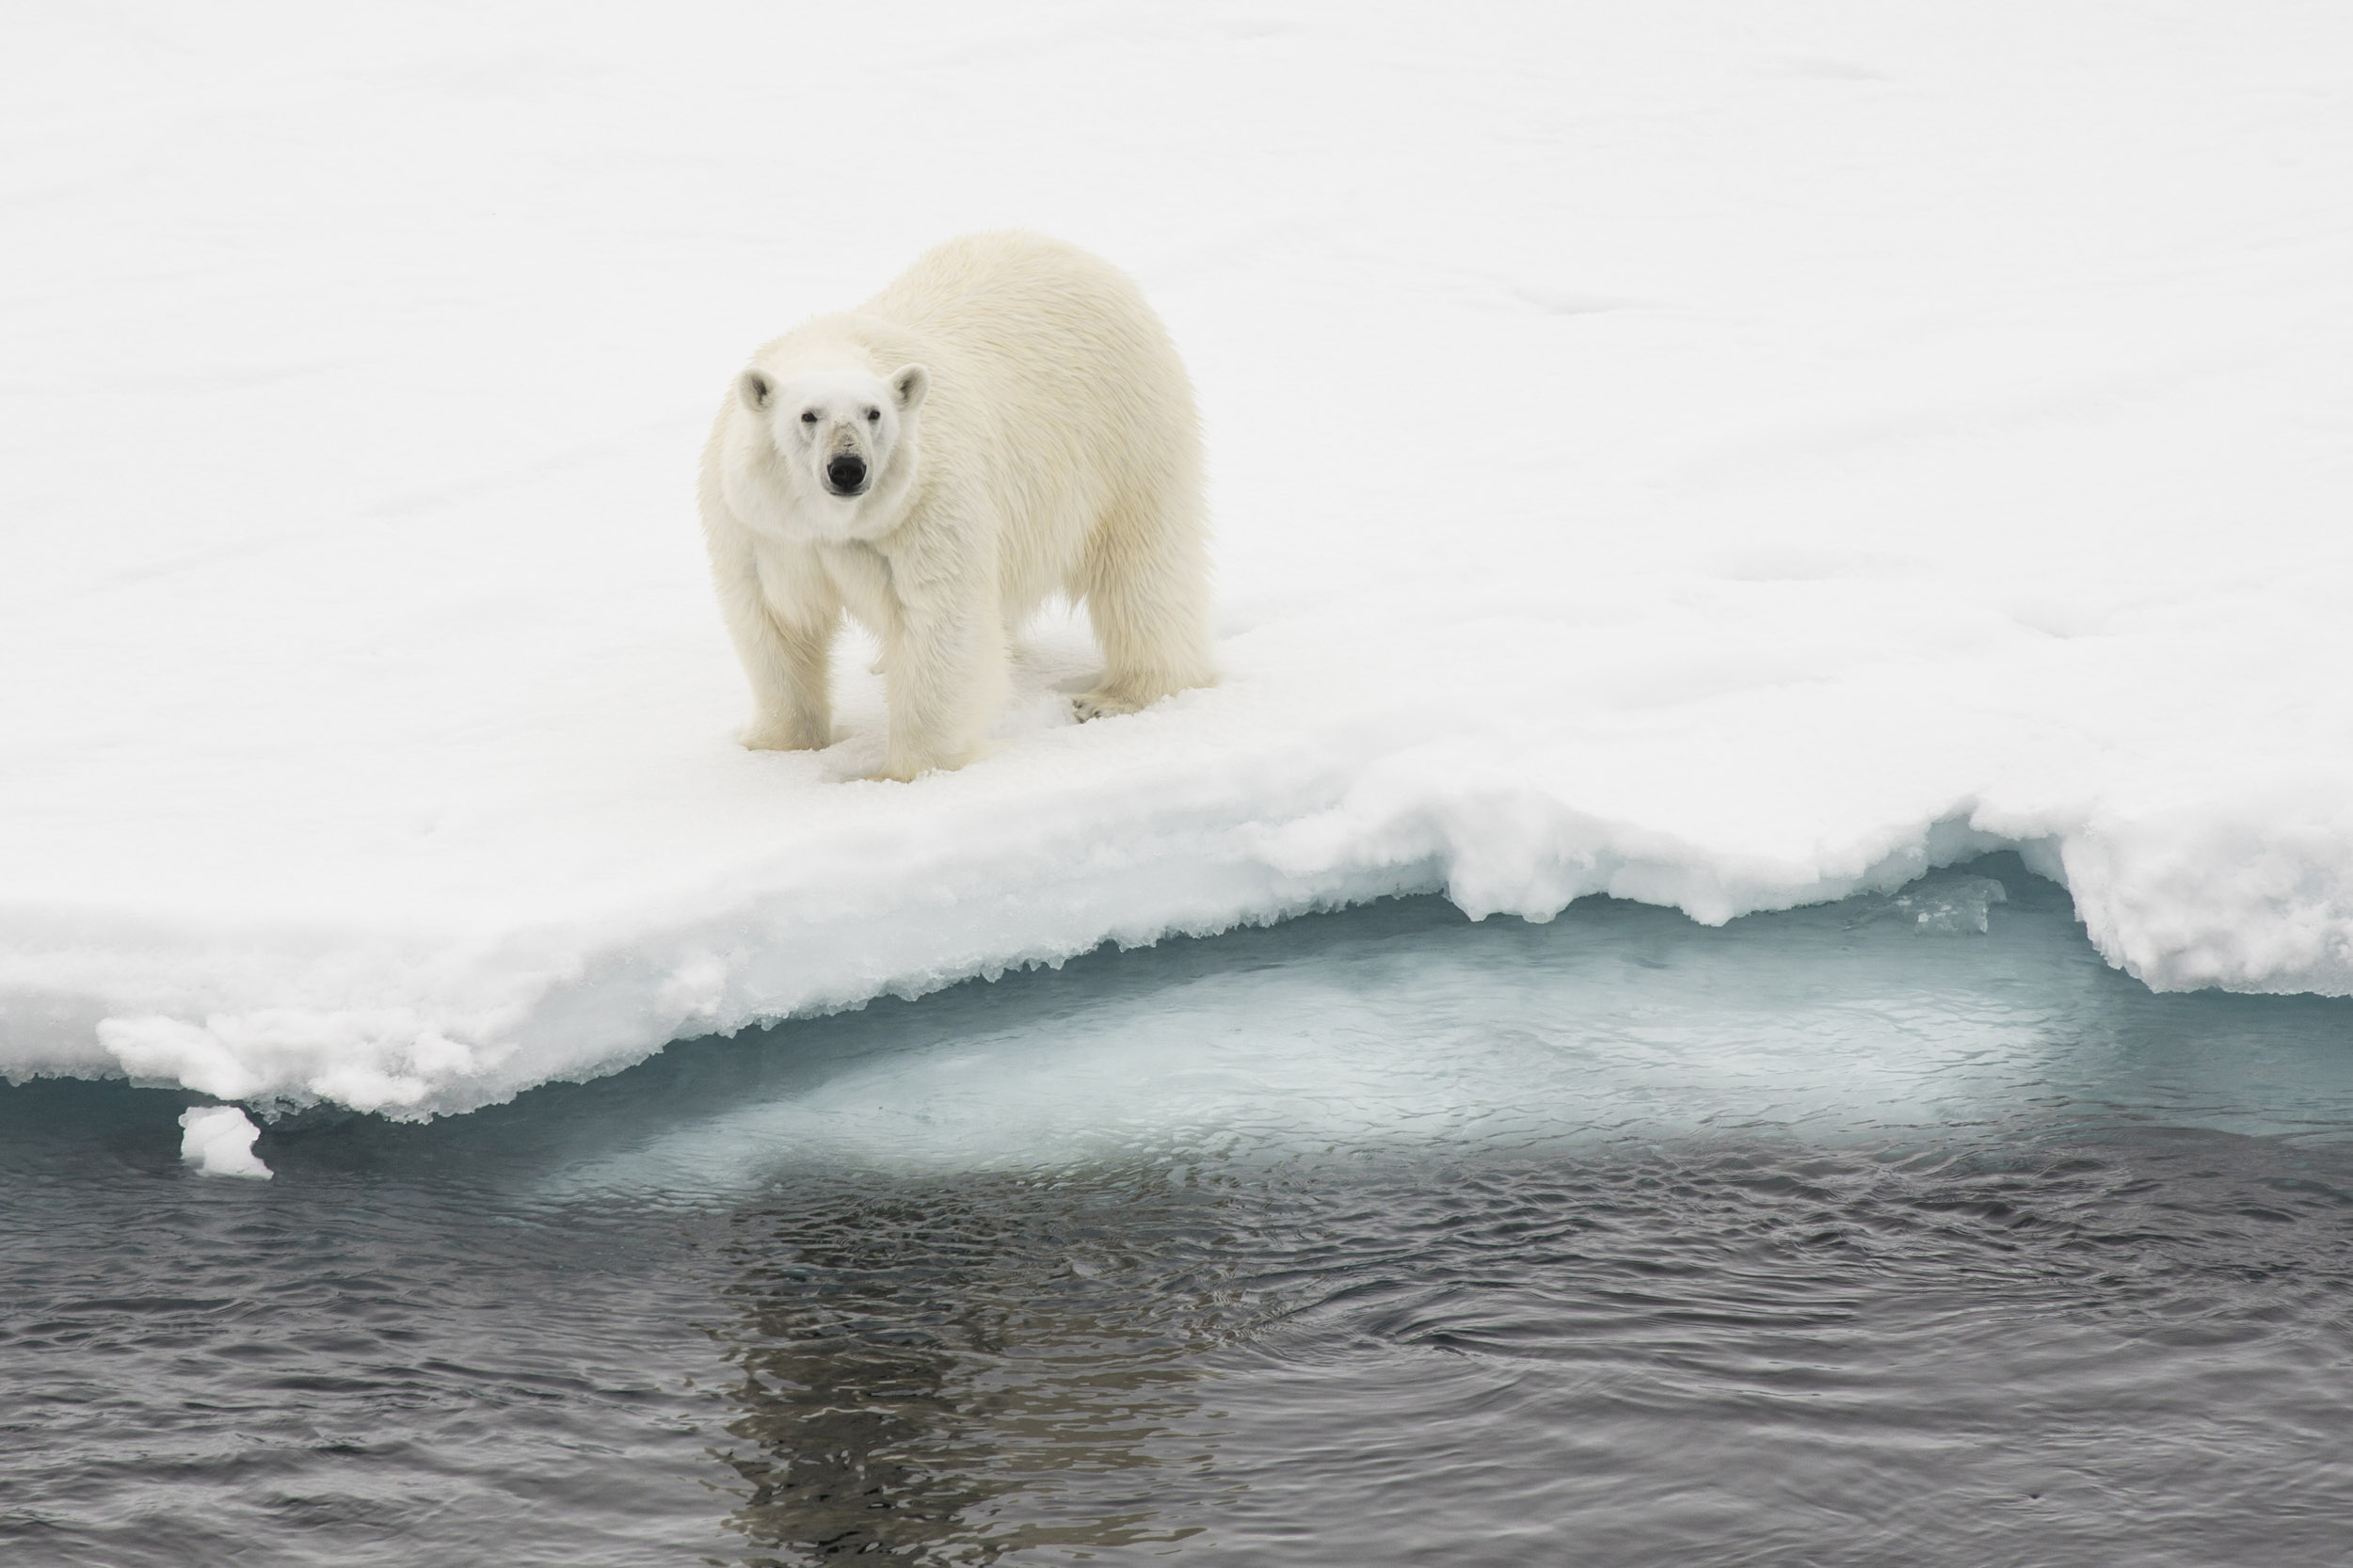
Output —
(838, 431)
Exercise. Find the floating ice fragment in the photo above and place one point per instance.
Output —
(219, 1141)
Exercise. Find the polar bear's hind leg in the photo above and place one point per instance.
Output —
(1147, 580)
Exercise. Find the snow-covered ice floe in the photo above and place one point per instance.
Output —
(1717, 457)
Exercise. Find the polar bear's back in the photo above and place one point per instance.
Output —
(1057, 387)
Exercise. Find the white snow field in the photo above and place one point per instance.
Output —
(1716, 454)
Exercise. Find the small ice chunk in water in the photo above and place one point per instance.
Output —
(219, 1141)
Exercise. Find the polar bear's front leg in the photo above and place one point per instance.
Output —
(945, 672)
(787, 659)
(792, 674)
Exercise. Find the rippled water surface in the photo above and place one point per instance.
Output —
(1900, 1231)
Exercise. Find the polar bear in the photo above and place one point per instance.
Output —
(1007, 421)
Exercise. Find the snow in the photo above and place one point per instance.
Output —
(1716, 456)
(219, 1141)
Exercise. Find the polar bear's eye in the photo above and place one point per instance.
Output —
(809, 416)
(873, 415)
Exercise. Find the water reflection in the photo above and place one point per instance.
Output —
(1700, 1353)
(945, 1372)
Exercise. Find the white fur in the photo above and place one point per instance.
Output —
(1025, 428)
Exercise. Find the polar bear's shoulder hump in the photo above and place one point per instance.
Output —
(1006, 272)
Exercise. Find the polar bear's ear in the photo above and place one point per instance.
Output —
(909, 383)
(756, 389)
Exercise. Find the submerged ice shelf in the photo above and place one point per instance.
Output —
(1964, 1011)
(1748, 486)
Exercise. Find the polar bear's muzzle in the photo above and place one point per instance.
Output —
(846, 473)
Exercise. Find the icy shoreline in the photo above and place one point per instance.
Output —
(1721, 461)
(553, 1005)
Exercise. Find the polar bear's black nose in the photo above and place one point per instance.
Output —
(845, 472)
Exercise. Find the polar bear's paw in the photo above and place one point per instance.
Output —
(1103, 704)
(778, 737)
(906, 767)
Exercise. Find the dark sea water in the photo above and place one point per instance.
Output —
(1856, 1235)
